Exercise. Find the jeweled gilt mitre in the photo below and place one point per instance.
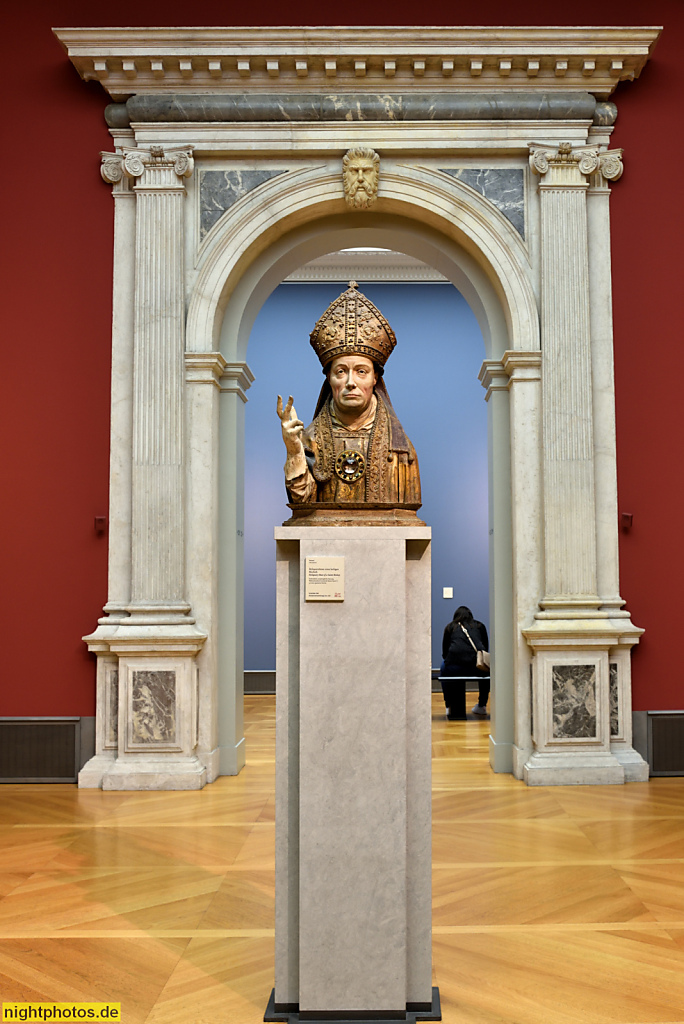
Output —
(352, 325)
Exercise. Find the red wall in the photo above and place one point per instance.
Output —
(54, 398)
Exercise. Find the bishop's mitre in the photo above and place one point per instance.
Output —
(352, 325)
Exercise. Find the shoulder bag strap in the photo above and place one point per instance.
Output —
(469, 637)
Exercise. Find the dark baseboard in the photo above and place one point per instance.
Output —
(260, 682)
(45, 749)
(659, 737)
(666, 742)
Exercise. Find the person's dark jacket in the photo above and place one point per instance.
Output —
(459, 657)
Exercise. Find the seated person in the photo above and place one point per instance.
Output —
(463, 637)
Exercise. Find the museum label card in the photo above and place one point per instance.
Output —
(324, 579)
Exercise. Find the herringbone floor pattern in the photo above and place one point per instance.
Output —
(551, 906)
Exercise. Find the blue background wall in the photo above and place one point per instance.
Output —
(432, 380)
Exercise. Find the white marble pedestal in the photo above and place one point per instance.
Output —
(353, 798)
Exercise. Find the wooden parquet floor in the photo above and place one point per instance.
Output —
(551, 906)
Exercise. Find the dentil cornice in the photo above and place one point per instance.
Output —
(134, 61)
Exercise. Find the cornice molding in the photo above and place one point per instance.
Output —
(135, 61)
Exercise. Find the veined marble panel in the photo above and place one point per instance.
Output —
(614, 700)
(153, 706)
(504, 187)
(112, 717)
(574, 701)
(219, 190)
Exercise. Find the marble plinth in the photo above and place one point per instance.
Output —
(94, 770)
(148, 773)
(353, 916)
(633, 764)
(568, 769)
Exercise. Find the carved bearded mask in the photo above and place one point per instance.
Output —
(360, 168)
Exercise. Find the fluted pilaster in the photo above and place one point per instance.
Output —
(157, 576)
(567, 406)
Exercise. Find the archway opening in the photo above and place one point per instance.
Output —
(486, 269)
(432, 378)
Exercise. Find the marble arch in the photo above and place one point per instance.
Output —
(496, 170)
(419, 210)
(421, 218)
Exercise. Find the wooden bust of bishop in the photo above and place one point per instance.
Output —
(355, 454)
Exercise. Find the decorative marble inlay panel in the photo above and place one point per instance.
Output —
(505, 188)
(219, 190)
(574, 701)
(153, 706)
(112, 716)
(614, 700)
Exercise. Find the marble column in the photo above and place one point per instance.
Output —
(493, 377)
(216, 396)
(235, 381)
(602, 368)
(121, 421)
(149, 629)
(518, 376)
(158, 573)
(572, 635)
(607, 568)
(567, 410)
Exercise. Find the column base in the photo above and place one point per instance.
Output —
(291, 1014)
(211, 761)
(131, 773)
(576, 768)
(94, 770)
(636, 769)
(521, 756)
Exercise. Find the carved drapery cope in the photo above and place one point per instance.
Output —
(157, 582)
(567, 414)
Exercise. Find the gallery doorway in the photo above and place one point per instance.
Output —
(433, 383)
(498, 180)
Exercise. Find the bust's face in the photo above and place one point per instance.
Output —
(352, 379)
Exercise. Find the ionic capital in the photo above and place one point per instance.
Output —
(610, 164)
(111, 167)
(132, 163)
(567, 166)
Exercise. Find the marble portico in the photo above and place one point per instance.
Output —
(496, 169)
